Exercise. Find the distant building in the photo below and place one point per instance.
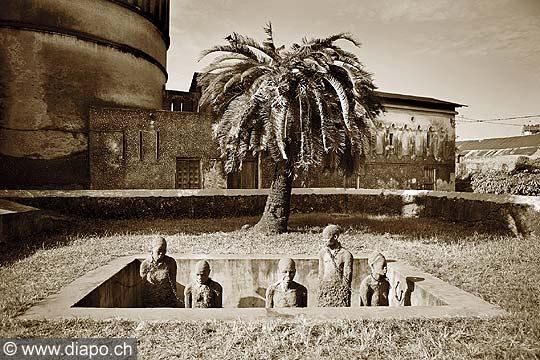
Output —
(413, 148)
(495, 153)
(530, 129)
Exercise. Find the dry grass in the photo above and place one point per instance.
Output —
(496, 267)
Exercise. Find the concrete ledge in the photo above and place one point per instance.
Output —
(18, 220)
(517, 214)
(458, 303)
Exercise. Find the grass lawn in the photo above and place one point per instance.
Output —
(496, 267)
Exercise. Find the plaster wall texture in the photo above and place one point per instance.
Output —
(58, 58)
(138, 148)
(103, 19)
(411, 128)
(187, 134)
(407, 142)
(468, 165)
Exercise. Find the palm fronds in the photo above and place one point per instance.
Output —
(298, 104)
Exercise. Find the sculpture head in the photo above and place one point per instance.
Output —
(159, 248)
(286, 270)
(331, 235)
(378, 265)
(202, 271)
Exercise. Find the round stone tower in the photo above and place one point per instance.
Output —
(59, 58)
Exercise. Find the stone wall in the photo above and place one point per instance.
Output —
(138, 148)
(469, 165)
(517, 214)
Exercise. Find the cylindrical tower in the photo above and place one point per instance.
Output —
(58, 58)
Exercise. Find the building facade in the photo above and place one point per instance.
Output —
(413, 148)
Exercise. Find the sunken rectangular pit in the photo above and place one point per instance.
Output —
(115, 291)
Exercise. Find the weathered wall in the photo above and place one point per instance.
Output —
(401, 153)
(405, 176)
(400, 158)
(407, 142)
(58, 58)
(468, 165)
(516, 214)
(138, 148)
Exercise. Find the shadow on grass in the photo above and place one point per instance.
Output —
(407, 229)
(69, 229)
(20, 248)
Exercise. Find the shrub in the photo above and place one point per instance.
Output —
(525, 182)
(526, 164)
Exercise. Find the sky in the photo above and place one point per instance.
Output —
(481, 53)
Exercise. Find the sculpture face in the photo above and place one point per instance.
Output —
(331, 241)
(287, 270)
(202, 276)
(379, 267)
(158, 252)
(159, 248)
(331, 235)
(202, 272)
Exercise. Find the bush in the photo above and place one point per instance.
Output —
(525, 164)
(525, 182)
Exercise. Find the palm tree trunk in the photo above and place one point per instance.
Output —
(275, 218)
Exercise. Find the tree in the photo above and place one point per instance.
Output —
(299, 105)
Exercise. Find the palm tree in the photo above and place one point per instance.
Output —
(299, 105)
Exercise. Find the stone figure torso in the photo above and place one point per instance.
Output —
(374, 292)
(294, 296)
(207, 295)
(159, 289)
(335, 275)
(437, 150)
(405, 142)
(380, 141)
(419, 142)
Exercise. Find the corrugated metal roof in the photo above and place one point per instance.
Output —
(516, 145)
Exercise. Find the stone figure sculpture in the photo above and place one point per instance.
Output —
(419, 142)
(437, 150)
(405, 140)
(203, 292)
(335, 271)
(380, 139)
(159, 277)
(375, 287)
(286, 292)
